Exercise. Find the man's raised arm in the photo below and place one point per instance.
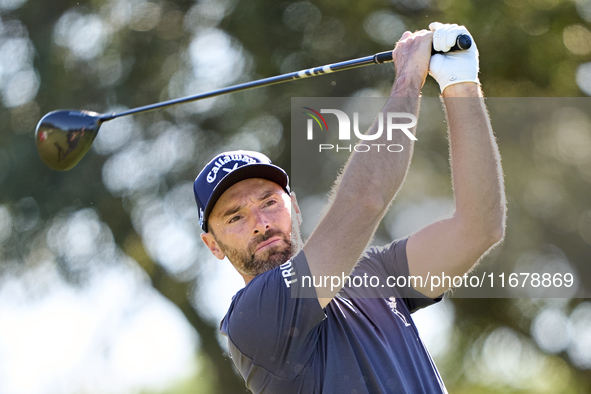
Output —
(370, 180)
(454, 245)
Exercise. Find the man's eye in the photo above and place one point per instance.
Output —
(270, 202)
(234, 219)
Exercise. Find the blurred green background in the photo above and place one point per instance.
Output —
(104, 284)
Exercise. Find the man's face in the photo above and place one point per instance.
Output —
(251, 225)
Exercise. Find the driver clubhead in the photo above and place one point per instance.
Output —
(63, 137)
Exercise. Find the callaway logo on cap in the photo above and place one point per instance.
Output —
(229, 168)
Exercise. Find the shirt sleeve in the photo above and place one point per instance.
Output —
(393, 259)
(272, 324)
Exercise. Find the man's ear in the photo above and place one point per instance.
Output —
(295, 208)
(209, 241)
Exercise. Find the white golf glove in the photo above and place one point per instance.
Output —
(452, 67)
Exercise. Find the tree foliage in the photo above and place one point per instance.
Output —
(134, 187)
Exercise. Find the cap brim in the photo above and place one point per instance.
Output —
(269, 172)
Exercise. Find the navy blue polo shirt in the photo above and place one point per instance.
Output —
(360, 343)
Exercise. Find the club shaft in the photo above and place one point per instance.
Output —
(378, 58)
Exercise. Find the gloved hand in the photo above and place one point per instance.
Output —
(453, 67)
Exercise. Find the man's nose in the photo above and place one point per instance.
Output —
(261, 224)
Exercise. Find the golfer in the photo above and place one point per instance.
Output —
(287, 336)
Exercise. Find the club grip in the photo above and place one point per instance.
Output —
(463, 42)
(382, 57)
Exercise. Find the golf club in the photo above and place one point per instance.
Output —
(64, 136)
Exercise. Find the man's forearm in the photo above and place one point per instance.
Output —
(378, 175)
(369, 182)
(477, 175)
(370, 179)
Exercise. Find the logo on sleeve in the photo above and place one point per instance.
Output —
(392, 304)
(288, 273)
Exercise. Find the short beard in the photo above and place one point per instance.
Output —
(247, 263)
